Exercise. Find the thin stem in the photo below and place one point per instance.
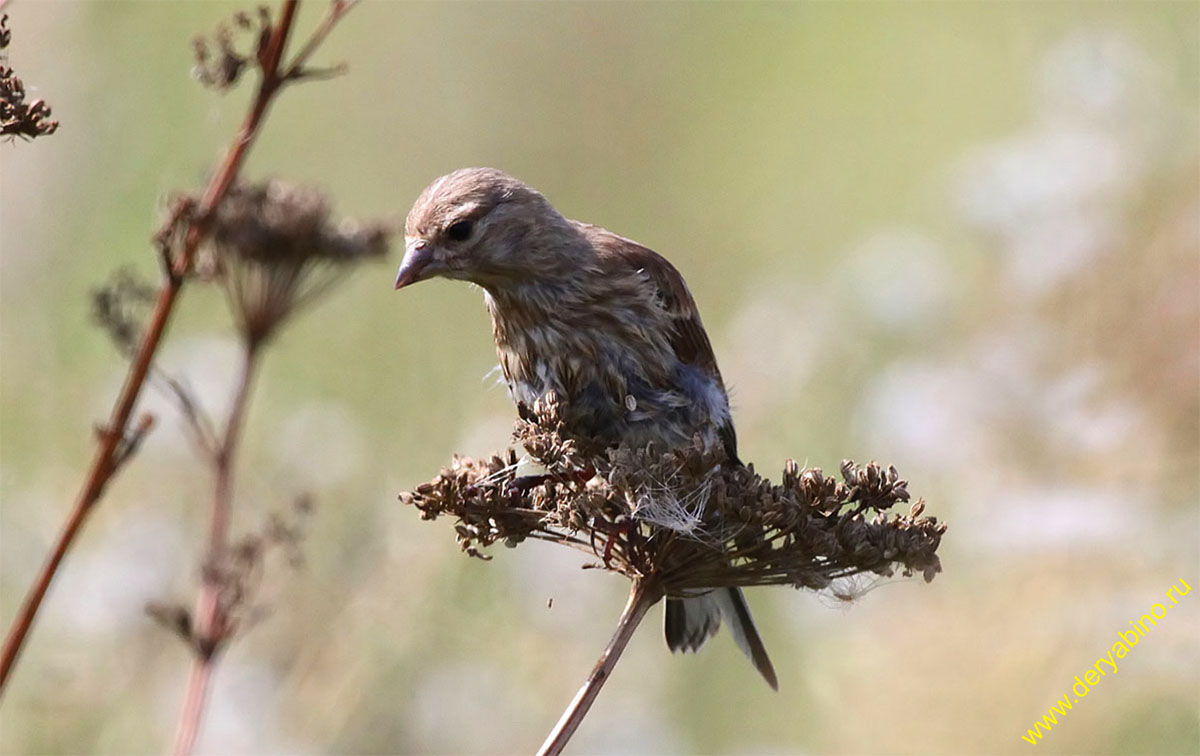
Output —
(104, 462)
(197, 695)
(642, 596)
(212, 625)
(337, 9)
(228, 449)
(204, 436)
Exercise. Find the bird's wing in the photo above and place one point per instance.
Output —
(688, 337)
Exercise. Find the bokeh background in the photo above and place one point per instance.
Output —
(960, 238)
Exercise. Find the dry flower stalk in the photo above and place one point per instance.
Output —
(274, 248)
(179, 241)
(678, 523)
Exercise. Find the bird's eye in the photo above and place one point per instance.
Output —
(460, 231)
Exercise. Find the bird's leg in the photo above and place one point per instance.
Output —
(523, 484)
(584, 474)
(623, 526)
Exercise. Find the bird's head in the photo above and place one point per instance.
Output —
(480, 225)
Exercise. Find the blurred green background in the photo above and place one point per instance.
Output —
(960, 238)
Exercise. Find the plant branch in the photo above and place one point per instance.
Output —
(198, 423)
(337, 9)
(642, 596)
(197, 694)
(212, 626)
(104, 463)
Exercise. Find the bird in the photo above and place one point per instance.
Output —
(606, 324)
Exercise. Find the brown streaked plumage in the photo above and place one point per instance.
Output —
(602, 321)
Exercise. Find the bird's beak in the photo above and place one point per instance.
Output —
(418, 254)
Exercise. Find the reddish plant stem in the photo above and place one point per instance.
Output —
(103, 464)
(212, 626)
(642, 596)
(197, 695)
(337, 9)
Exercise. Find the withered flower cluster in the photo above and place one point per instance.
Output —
(119, 308)
(239, 573)
(275, 248)
(219, 65)
(17, 117)
(681, 520)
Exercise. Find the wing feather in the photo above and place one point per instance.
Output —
(688, 338)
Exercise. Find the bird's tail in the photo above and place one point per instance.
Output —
(692, 621)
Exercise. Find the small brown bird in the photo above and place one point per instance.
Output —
(605, 323)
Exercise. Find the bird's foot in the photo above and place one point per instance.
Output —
(620, 528)
(523, 484)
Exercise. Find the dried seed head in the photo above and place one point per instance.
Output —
(275, 248)
(119, 307)
(238, 573)
(17, 117)
(682, 517)
(219, 63)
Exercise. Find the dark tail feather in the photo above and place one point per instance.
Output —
(745, 634)
(692, 621)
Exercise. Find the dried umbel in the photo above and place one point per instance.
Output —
(681, 520)
(219, 64)
(239, 573)
(275, 248)
(17, 117)
(119, 308)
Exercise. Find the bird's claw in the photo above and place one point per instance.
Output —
(523, 484)
(615, 529)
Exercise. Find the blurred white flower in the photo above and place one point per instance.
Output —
(1050, 517)
(205, 365)
(1079, 417)
(924, 411)
(1037, 175)
(968, 408)
(900, 278)
(1100, 76)
(1049, 196)
(106, 584)
(1049, 251)
(1053, 193)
